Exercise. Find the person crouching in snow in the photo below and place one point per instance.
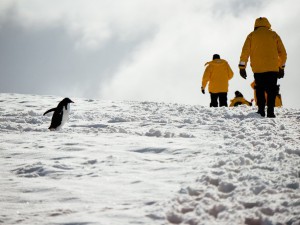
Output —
(217, 74)
(278, 100)
(239, 100)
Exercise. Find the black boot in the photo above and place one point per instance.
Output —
(270, 112)
(261, 112)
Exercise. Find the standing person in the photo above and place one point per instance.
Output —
(268, 57)
(217, 73)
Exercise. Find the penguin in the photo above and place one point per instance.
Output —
(60, 115)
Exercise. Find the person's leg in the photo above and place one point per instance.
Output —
(272, 90)
(223, 99)
(260, 93)
(213, 100)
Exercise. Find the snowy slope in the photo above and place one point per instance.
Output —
(147, 163)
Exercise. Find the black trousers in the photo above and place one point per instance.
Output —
(222, 97)
(266, 82)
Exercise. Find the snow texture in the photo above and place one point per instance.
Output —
(147, 163)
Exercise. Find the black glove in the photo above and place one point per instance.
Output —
(202, 90)
(243, 73)
(280, 73)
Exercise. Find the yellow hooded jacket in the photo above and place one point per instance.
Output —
(217, 73)
(265, 48)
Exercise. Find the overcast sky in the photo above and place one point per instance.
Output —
(146, 50)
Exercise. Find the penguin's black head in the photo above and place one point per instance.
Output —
(67, 100)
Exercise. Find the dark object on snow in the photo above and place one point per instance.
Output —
(60, 115)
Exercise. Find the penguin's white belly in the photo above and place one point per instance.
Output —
(65, 116)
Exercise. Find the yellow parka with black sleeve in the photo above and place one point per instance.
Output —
(265, 48)
(217, 74)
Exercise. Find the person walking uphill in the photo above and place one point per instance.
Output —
(268, 57)
(217, 73)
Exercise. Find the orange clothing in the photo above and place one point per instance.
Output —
(217, 74)
(265, 49)
(278, 100)
(239, 101)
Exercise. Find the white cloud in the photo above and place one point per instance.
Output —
(174, 38)
(170, 66)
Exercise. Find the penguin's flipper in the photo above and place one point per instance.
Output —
(50, 110)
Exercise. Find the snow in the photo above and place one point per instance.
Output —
(147, 163)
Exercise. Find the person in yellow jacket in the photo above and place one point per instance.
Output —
(278, 100)
(239, 100)
(217, 74)
(268, 57)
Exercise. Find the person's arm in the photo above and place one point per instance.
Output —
(230, 72)
(245, 53)
(281, 53)
(206, 76)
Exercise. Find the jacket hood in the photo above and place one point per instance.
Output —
(262, 22)
(216, 62)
